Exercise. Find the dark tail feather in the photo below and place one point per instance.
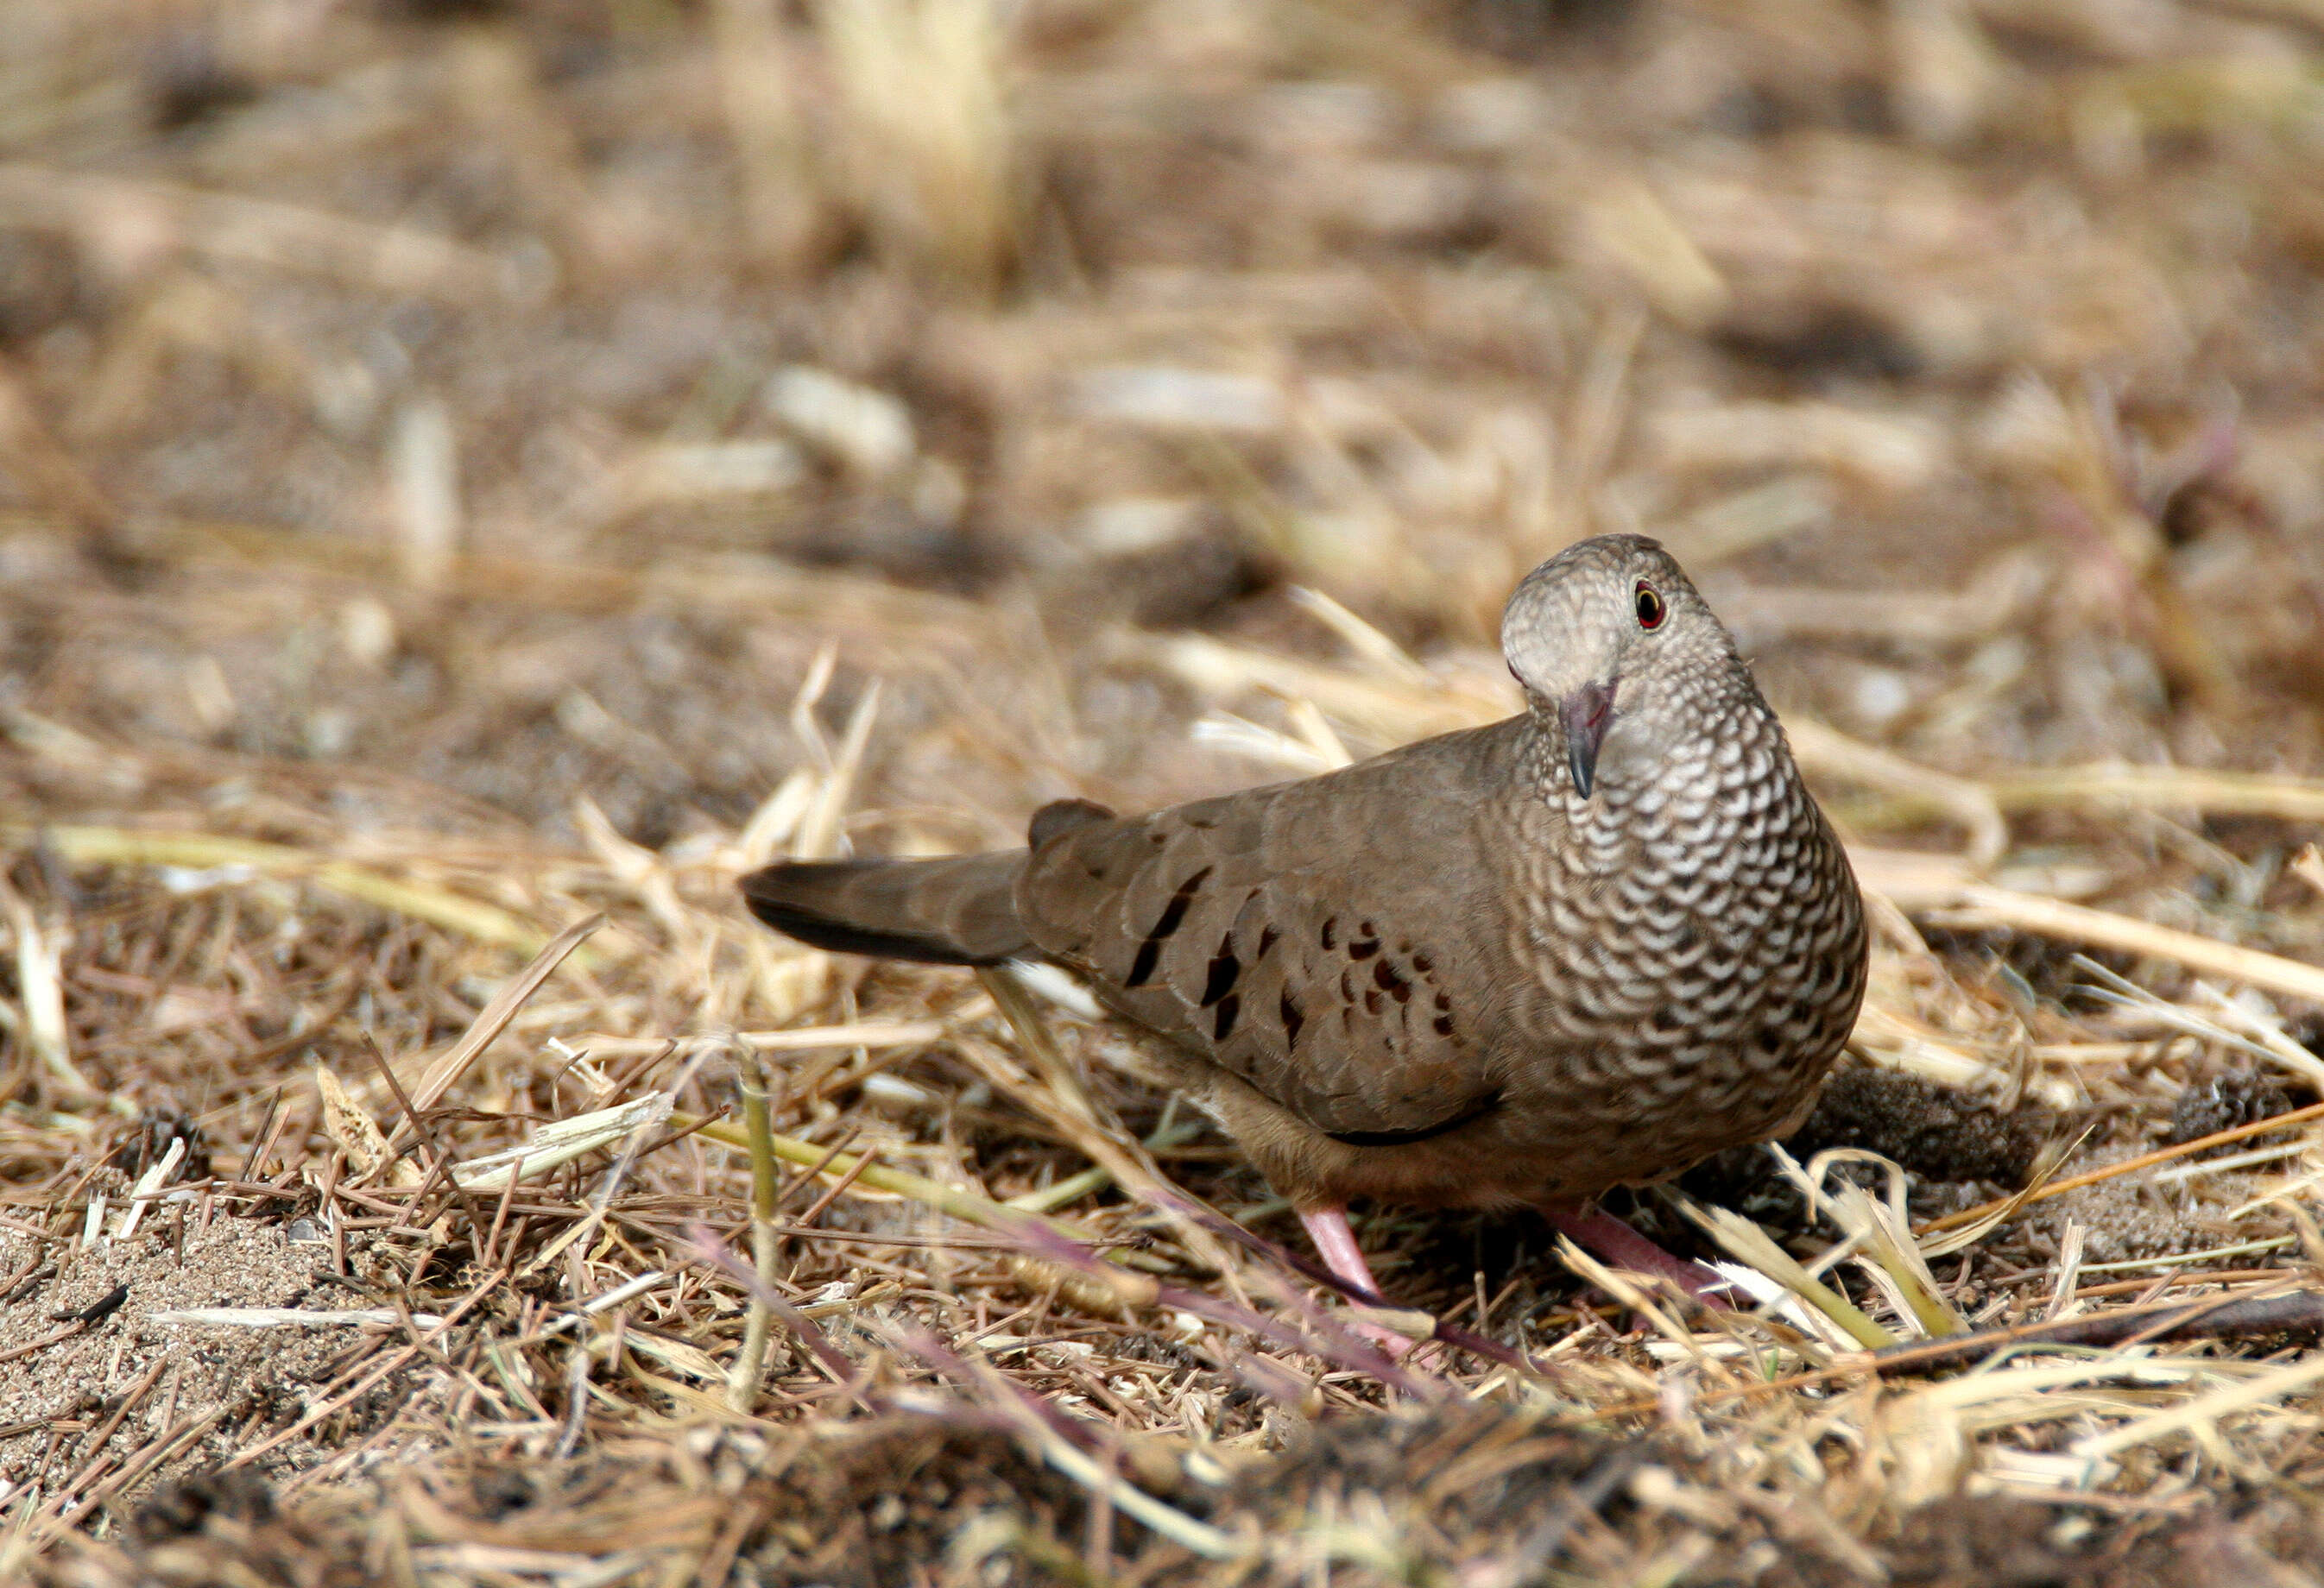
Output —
(960, 911)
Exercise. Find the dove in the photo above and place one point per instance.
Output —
(1513, 966)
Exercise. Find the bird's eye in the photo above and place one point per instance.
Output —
(1651, 611)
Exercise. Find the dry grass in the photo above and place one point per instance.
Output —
(477, 478)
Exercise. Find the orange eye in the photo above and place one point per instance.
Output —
(1651, 609)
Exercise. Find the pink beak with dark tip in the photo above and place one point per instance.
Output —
(1586, 714)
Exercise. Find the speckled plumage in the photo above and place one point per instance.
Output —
(1583, 947)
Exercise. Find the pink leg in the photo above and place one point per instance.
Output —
(1335, 1243)
(1624, 1247)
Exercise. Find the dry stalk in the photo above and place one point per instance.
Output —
(40, 989)
(1983, 907)
(742, 1385)
(1748, 1243)
(436, 906)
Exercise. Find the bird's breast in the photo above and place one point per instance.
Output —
(1695, 949)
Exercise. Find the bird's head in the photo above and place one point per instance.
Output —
(1614, 646)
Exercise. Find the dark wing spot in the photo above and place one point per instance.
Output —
(1422, 964)
(1371, 1000)
(1149, 952)
(1222, 1023)
(1267, 937)
(1368, 930)
(1363, 948)
(1224, 968)
(1293, 1021)
(1664, 1019)
(1390, 982)
(1444, 1002)
(1771, 1041)
(1330, 931)
(1443, 1025)
(1180, 902)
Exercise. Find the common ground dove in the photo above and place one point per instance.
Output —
(1584, 946)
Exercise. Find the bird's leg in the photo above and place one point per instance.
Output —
(1624, 1247)
(1335, 1243)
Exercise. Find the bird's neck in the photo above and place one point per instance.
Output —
(1655, 778)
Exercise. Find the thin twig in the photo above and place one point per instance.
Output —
(2211, 1317)
(445, 1166)
(2074, 1182)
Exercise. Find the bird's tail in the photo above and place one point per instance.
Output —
(958, 910)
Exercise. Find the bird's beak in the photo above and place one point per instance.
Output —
(1587, 713)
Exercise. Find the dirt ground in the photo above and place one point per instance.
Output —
(473, 467)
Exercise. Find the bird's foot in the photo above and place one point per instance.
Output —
(1335, 1243)
(1609, 1238)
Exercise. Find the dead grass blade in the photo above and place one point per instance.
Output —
(1981, 906)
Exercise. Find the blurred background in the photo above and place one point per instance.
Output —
(472, 404)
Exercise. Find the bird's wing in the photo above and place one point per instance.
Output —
(1320, 939)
